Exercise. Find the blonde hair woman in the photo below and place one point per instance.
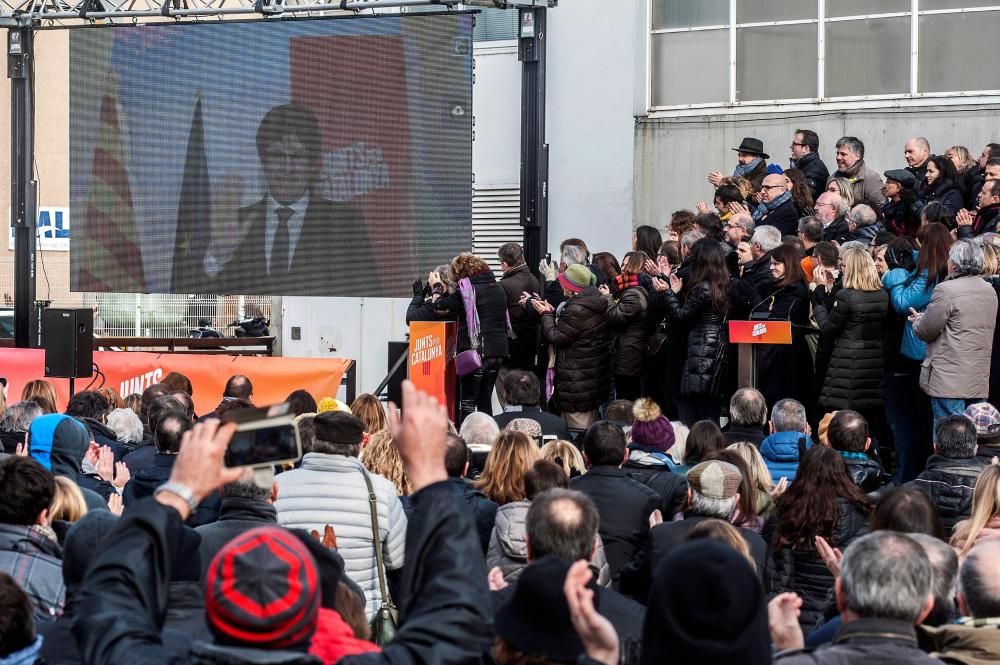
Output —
(68, 504)
(716, 529)
(382, 457)
(760, 477)
(841, 186)
(851, 323)
(984, 523)
(512, 455)
(369, 409)
(566, 455)
(42, 393)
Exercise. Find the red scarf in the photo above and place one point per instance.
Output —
(623, 281)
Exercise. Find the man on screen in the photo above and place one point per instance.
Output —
(295, 241)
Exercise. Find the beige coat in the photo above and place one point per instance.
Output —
(866, 184)
(958, 328)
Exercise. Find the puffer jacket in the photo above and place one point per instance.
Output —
(627, 315)
(35, 563)
(866, 234)
(655, 470)
(908, 290)
(707, 340)
(866, 472)
(781, 453)
(508, 543)
(853, 323)
(950, 484)
(958, 328)
(330, 489)
(802, 571)
(580, 334)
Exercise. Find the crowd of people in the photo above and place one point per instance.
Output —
(606, 491)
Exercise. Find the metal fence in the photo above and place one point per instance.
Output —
(168, 315)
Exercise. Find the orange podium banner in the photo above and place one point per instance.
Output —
(432, 360)
(132, 372)
(760, 332)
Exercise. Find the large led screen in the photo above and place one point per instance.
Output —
(316, 157)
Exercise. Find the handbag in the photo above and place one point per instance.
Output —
(470, 361)
(386, 620)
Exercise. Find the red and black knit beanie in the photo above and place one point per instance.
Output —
(262, 590)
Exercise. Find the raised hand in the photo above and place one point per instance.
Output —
(783, 621)
(115, 504)
(831, 556)
(421, 435)
(964, 218)
(200, 464)
(106, 464)
(599, 638)
(702, 208)
(328, 539)
(122, 475)
(495, 579)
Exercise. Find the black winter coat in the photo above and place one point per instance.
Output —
(950, 484)
(444, 605)
(581, 337)
(483, 510)
(814, 171)
(627, 315)
(785, 218)
(802, 570)
(837, 231)
(970, 183)
(864, 642)
(854, 323)
(524, 345)
(236, 516)
(786, 371)
(624, 506)
(945, 192)
(901, 217)
(994, 396)
(866, 472)
(672, 487)
(707, 339)
(757, 274)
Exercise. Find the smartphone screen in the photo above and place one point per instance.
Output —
(266, 435)
(266, 445)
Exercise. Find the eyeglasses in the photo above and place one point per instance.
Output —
(763, 187)
(800, 145)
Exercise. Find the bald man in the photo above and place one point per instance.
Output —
(975, 634)
(916, 152)
(776, 206)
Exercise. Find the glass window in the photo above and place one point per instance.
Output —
(676, 81)
(864, 7)
(943, 67)
(760, 75)
(955, 4)
(494, 24)
(753, 11)
(868, 57)
(689, 13)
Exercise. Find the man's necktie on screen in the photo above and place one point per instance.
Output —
(280, 247)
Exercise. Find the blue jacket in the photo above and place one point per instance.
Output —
(904, 294)
(781, 454)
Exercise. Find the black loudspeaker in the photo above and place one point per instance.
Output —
(394, 389)
(68, 340)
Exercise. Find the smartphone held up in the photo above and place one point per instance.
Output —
(266, 436)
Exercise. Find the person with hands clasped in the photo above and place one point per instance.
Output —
(628, 307)
(579, 334)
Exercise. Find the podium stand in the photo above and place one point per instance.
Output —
(748, 334)
(432, 360)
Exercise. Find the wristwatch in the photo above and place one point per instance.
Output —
(179, 490)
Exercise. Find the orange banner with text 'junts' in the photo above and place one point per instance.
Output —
(132, 372)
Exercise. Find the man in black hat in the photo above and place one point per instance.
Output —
(751, 163)
(330, 488)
